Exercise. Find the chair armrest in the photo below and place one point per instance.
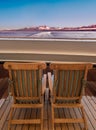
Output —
(44, 84)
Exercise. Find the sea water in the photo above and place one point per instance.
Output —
(49, 34)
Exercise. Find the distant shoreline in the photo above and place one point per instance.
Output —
(49, 39)
(48, 30)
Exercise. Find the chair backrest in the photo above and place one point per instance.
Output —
(69, 80)
(25, 79)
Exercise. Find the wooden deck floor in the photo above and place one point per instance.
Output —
(90, 110)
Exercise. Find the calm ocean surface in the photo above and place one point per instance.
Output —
(49, 34)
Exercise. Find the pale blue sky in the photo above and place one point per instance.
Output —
(59, 13)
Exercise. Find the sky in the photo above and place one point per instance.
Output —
(53, 13)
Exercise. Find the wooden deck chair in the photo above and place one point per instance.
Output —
(26, 85)
(67, 88)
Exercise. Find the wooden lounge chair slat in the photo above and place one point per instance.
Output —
(21, 86)
(74, 83)
(25, 84)
(68, 120)
(65, 89)
(66, 105)
(32, 121)
(35, 83)
(16, 83)
(60, 83)
(69, 83)
(79, 86)
(27, 105)
(67, 98)
(30, 79)
(27, 98)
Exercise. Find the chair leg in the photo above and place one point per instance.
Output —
(10, 118)
(85, 122)
(52, 118)
(42, 118)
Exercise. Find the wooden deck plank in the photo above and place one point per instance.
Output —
(32, 116)
(5, 113)
(90, 111)
(57, 126)
(92, 102)
(2, 102)
(67, 114)
(63, 126)
(16, 114)
(3, 108)
(5, 126)
(46, 116)
(90, 127)
(49, 116)
(27, 116)
(38, 116)
(94, 99)
(21, 114)
(74, 115)
(78, 115)
(89, 115)
(92, 107)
